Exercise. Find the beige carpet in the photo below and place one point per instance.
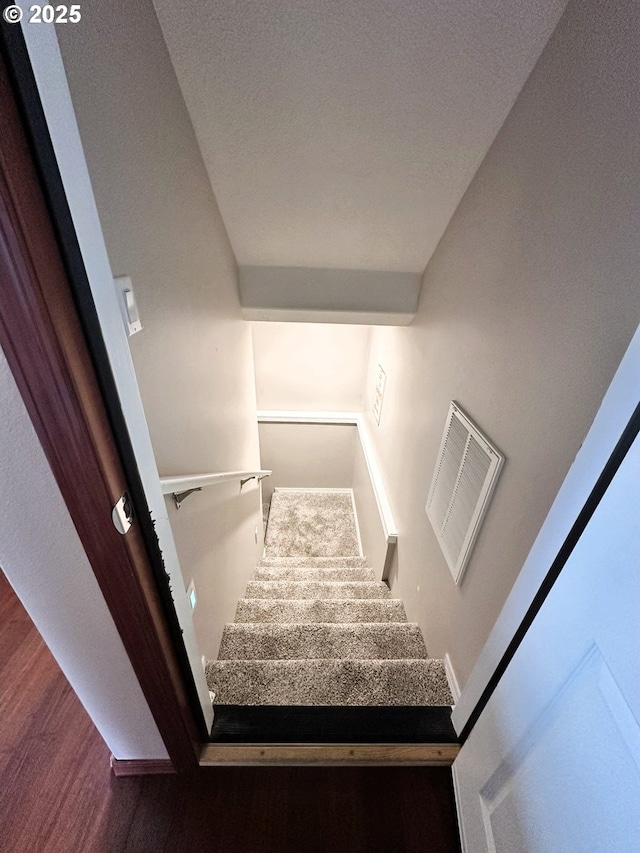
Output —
(315, 627)
(311, 524)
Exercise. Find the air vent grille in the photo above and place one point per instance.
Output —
(463, 481)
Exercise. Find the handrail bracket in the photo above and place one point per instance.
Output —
(178, 497)
(256, 477)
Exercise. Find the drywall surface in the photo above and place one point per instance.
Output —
(227, 516)
(310, 366)
(162, 227)
(618, 405)
(328, 295)
(44, 561)
(526, 309)
(341, 134)
(307, 456)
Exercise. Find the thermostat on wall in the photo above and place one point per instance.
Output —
(128, 306)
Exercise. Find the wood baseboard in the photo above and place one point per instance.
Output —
(329, 755)
(141, 767)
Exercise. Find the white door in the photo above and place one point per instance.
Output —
(553, 763)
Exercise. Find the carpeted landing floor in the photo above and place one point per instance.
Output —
(316, 629)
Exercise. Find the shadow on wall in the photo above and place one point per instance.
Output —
(394, 569)
(307, 456)
(219, 536)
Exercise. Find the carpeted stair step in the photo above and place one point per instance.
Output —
(316, 589)
(263, 641)
(329, 682)
(319, 650)
(312, 574)
(320, 610)
(314, 562)
(315, 524)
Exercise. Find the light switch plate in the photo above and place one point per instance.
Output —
(128, 305)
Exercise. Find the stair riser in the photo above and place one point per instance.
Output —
(316, 589)
(290, 574)
(326, 610)
(329, 682)
(314, 562)
(326, 641)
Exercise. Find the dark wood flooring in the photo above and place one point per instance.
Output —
(57, 792)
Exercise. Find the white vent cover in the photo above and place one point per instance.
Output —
(463, 481)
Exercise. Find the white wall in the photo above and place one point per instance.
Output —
(527, 307)
(162, 227)
(307, 456)
(618, 405)
(207, 528)
(328, 295)
(310, 366)
(43, 559)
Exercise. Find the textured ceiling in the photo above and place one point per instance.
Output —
(343, 133)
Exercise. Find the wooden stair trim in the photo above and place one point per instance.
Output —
(329, 755)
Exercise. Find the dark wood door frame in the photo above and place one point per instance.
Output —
(42, 337)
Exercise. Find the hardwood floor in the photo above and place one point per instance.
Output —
(57, 792)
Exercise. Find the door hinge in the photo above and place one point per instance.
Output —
(122, 514)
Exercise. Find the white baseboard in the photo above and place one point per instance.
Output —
(355, 518)
(451, 678)
(302, 489)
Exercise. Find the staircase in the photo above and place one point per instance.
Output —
(317, 639)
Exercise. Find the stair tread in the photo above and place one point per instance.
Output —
(317, 589)
(314, 562)
(310, 610)
(329, 682)
(310, 574)
(325, 640)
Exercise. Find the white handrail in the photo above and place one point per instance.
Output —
(283, 416)
(382, 501)
(181, 487)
